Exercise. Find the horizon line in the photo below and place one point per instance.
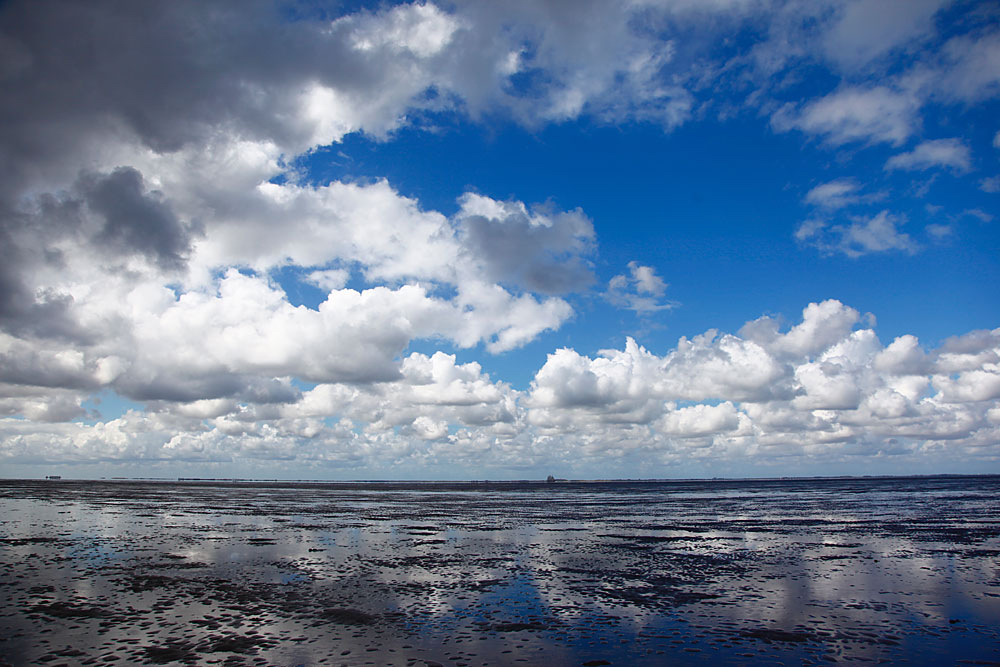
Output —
(537, 481)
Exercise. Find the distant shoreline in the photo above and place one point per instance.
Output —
(388, 484)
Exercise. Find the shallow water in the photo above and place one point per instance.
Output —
(754, 572)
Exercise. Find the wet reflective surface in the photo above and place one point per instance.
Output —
(755, 572)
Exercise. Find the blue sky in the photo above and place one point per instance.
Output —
(657, 239)
(713, 206)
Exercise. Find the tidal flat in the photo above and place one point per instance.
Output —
(754, 572)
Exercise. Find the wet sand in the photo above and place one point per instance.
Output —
(754, 573)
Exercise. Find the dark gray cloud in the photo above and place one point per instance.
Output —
(164, 391)
(46, 405)
(134, 220)
(539, 250)
(167, 72)
(25, 366)
(147, 385)
(25, 245)
(46, 314)
(111, 215)
(269, 390)
(169, 385)
(168, 75)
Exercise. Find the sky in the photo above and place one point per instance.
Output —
(468, 240)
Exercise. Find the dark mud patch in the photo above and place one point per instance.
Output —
(658, 597)
(349, 616)
(69, 610)
(774, 635)
(651, 539)
(23, 541)
(234, 644)
(518, 626)
(170, 652)
(151, 582)
(176, 565)
(485, 584)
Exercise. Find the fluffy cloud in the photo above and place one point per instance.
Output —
(700, 420)
(540, 250)
(210, 344)
(868, 115)
(819, 383)
(642, 290)
(968, 71)
(369, 226)
(126, 283)
(363, 71)
(548, 61)
(864, 31)
(431, 390)
(864, 235)
(834, 194)
(937, 153)
(823, 388)
(835, 228)
(706, 367)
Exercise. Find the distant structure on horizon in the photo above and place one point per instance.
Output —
(53, 477)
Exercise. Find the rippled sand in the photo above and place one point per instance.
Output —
(756, 572)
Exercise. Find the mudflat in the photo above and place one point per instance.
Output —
(635, 573)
